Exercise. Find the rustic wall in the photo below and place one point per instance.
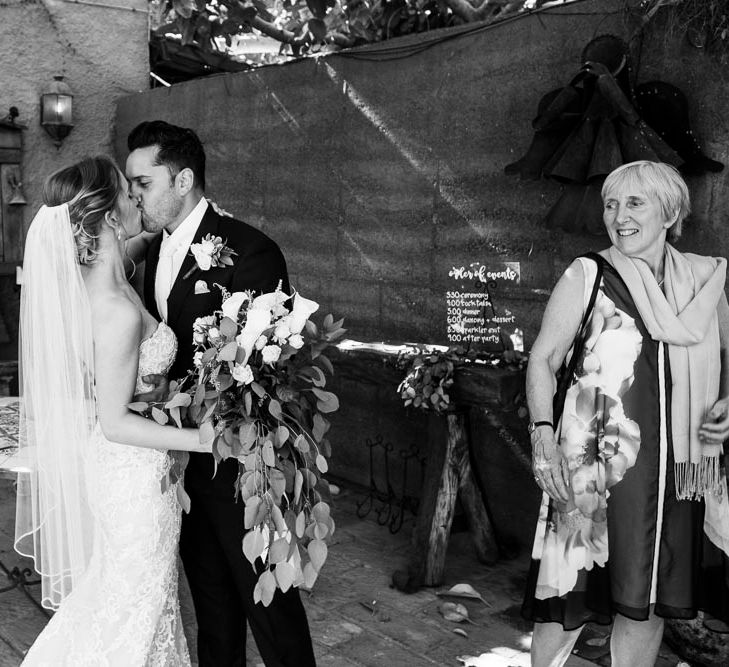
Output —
(43, 38)
(376, 176)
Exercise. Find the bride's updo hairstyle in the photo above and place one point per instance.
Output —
(91, 188)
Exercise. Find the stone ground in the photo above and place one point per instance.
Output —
(356, 619)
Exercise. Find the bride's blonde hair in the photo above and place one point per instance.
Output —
(91, 188)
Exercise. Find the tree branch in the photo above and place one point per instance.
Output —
(298, 41)
(463, 9)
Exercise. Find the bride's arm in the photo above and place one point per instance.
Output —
(117, 332)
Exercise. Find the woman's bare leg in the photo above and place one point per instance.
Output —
(552, 644)
(636, 643)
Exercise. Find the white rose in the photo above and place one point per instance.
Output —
(198, 338)
(243, 373)
(197, 359)
(202, 258)
(261, 343)
(214, 332)
(282, 331)
(270, 354)
(296, 341)
(202, 323)
(208, 247)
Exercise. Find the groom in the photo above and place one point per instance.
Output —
(166, 171)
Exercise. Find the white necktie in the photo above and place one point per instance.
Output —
(163, 278)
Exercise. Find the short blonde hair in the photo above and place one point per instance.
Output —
(658, 180)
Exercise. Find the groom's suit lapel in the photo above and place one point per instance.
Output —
(150, 272)
(182, 287)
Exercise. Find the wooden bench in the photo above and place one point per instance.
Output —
(448, 472)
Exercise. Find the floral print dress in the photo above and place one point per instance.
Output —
(622, 542)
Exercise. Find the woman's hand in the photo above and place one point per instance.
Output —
(550, 468)
(715, 429)
(204, 447)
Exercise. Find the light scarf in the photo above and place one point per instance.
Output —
(685, 318)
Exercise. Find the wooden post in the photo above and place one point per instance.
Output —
(447, 473)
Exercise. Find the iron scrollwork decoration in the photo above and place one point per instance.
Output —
(389, 505)
(20, 579)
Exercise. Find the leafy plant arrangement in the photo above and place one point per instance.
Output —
(258, 394)
(430, 371)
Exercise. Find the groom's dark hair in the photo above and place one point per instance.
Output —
(179, 147)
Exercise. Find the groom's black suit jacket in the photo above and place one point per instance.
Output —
(259, 265)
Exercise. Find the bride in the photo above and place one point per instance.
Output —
(92, 513)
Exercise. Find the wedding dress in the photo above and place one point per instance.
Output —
(124, 611)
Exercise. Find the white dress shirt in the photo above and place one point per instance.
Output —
(172, 253)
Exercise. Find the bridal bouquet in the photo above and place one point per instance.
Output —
(258, 394)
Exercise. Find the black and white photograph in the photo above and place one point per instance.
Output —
(364, 333)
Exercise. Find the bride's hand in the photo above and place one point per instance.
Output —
(204, 447)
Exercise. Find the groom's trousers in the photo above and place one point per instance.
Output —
(222, 580)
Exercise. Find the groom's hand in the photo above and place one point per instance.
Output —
(160, 391)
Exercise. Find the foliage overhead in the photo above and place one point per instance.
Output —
(316, 26)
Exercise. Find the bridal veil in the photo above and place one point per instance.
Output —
(54, 524)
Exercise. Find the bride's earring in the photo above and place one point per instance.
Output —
(119, 233)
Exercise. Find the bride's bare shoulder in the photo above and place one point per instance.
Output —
(115, 317)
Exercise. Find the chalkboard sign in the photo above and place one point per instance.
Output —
(473, 316)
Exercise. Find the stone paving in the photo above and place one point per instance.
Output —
(356, 619)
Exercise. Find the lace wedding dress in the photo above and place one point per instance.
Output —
(125, 611)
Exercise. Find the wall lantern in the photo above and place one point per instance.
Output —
(57, 110)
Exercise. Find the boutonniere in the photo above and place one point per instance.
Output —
(211, 251)
(218, 210)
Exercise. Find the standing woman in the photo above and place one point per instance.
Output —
(91, 513)
(627, 449)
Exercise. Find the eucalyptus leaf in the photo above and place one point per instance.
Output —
(183, 498)
(253, 545)
(138, 406)
(159, 416)
(300, 525)
(251, 511)
(277, 480)
(282, 435)
(279, 551)
(228, 328)
(298, 485)
(247, 434)
(284, 574)
(206, 433)
(321, 512)
(175, 414)
(455, 612)
(322, 464)
(278, 519)
(310, 575)
(267, 583)
(320, 427)
(318, 553)
(274, 407)
(463, 591)
(269, 456)
(228, 351)
(321, 530)
(324, 361)
(301, 443)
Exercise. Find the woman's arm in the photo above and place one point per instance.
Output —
(559, 327)
(117, 333)
(716, 427)
(137, 246)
